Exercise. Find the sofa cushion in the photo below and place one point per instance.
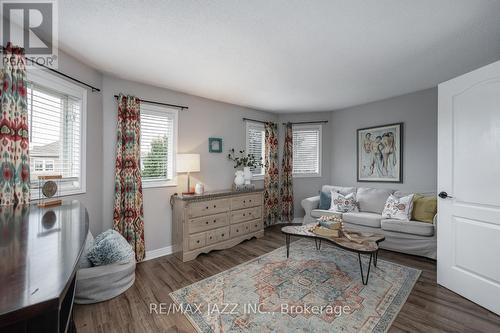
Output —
(372, 199)
(408, 227)
(317, 213)
(339, 189)
(363, 218)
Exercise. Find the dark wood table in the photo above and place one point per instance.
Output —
(39, 251)
(368, 243)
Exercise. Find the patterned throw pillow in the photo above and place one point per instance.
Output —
(398, 208)
(343, 204)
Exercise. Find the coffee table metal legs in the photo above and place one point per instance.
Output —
(361, 268)
(318, 243)
(287, 239)
(375, 259)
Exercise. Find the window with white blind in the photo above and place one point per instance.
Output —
(56, 122)
(255, 143)
(306, 150)
(158, 145)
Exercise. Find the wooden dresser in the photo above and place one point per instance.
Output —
(215, 221)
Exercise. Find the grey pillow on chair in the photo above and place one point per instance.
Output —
(110, 247)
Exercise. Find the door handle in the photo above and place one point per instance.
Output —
(444, 195)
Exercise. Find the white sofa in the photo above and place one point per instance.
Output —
(412, 237)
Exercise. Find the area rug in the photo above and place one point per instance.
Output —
(312, 291)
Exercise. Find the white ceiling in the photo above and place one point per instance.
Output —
(284, 55)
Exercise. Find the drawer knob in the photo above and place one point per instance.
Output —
(207, 222)
(197, 241)
(210, 237)
(237, 230)
(256, 225)
(243, 214)
(215, 221)
(215, 206)
(222, 235)
(244, 201)
(206, 207)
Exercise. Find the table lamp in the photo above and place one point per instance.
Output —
(188, 163)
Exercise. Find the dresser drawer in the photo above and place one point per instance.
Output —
(209, 207)
(256, 225)
(246, 201)
(246, 215)
(217, 235)
(238, 230)
(207, 222)
(197, 241)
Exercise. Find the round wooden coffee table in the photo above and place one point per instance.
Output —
(363, 243)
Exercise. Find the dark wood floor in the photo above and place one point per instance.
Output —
(429, 308)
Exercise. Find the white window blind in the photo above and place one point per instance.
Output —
(306, 150)
(158, 145)
(255, 143)
(55, 137)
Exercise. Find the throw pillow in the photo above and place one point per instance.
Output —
(343, 204)
(325, 200)
(398, 208)
(110, 247)
(424, 208)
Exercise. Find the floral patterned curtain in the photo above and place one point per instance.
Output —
(128, 212)
(14, 140)
(271, 177)
(286, 177)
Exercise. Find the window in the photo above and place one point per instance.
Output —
(255, 143)
(158, 145)
(307, 150)
(56, 121)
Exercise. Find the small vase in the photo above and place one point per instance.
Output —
(239, 178)
(248, 175)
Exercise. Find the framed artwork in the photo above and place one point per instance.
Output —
(215, 145)
(380, 154)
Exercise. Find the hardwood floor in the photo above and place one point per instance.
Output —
(429, 308)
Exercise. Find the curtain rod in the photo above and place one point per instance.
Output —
(182, 107)
(297, 123)
(256, 121)
(65, 75)
(309, 122)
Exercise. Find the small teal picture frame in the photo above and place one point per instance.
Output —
(215, 145)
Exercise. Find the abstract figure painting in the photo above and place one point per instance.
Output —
(380, 154)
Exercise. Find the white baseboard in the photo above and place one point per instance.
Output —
(164, 251)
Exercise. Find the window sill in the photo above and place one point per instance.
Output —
(259, 177)
(156, 184)
(312, 175)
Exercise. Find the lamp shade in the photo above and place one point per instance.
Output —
(188, 163)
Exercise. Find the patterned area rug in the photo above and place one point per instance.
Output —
(312, 291)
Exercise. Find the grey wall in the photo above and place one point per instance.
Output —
(205, 118)
(309, 186)
(418, 111)
(92, 199)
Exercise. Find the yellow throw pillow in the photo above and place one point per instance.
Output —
(424, 208)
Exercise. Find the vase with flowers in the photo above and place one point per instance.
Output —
(246, 161)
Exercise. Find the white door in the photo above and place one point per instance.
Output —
(468, 227)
